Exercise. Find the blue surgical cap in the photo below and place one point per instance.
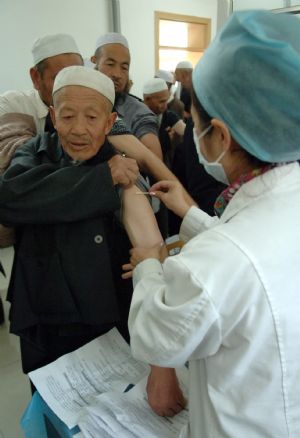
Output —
(249, 77)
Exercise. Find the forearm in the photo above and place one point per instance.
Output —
(147, 160)
(139, 220)
(151, 141)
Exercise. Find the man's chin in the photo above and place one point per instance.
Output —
(80, 156)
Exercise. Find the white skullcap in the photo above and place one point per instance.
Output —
(155, 85)
(85, 77)
(111, 38)
(165, 75)
(184, 65)
(52, 45)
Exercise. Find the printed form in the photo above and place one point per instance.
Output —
(86, 388)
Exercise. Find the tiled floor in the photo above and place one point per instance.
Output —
(14, 386)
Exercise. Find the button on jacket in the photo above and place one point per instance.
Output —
(229, 304)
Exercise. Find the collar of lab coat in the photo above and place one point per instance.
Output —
(266, 184)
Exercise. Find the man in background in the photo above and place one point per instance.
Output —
(183, 75)
(112, 57)
(174, 104)
(50, 53)
(156, 96)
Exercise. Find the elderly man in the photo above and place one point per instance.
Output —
(60, 192)
(112, 58)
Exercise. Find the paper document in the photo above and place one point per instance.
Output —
(129, 415)
(73, 381)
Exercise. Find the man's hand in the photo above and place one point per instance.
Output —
(174, 196)
(124, 171)
(164, 394)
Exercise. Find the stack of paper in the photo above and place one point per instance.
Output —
(129, 415)
(86, 388)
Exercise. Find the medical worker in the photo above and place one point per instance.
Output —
(229, 303)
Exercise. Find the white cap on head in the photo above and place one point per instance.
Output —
(111, 38)
(52, 45)
(184, 65)
(165, 75)
(155, 85)
(85, 77)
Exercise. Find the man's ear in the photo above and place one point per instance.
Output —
(35, 77)
(221, 129)
(52, 115)
(110, 121)
(93, 59)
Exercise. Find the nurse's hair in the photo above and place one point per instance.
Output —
(202, 113)
(206, 119)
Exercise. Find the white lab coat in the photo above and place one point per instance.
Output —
(25, 103)
(229, 303)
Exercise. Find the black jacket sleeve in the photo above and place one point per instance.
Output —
(41, 186)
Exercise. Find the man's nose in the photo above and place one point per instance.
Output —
(78, 125)
(117, 72)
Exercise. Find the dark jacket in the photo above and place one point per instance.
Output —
(169, 119)
(69, 247)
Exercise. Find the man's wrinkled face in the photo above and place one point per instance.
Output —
(82, 117)
(43, 82)
(114, 61)
(157, 102)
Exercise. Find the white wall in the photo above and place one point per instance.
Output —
(137, 24)
(258, 4)
(21, 21)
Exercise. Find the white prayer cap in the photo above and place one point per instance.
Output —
(165, 75)
(155, 85)
(184, 65)
(111, 38)
(85, 77)
(52, 45)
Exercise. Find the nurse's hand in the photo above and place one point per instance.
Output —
(137, 255)
(164, 394)
(174, 196)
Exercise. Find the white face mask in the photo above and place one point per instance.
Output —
(214, 168)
